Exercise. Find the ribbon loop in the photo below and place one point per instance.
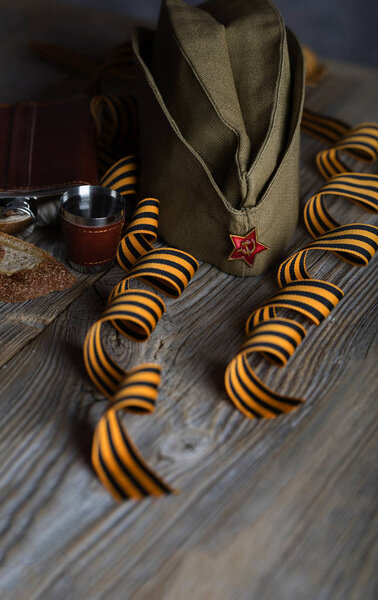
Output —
(361, 189)
(313, 298)
(140, 233)
(250, 395)
(277, 339)
(361, 142)
(138, 391)
(327, 129)
(116, 125)
(355, 243)
(134, 313)
(167, 269)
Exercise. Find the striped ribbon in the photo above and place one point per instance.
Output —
(122, 176)
(116, 124)
(119, 62)
(277, 338)
(135, 314)
(315, 69)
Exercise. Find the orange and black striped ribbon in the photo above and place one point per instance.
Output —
(277, 338)
(116, 124)
(122, 176)
(119, 62)
(135, 314)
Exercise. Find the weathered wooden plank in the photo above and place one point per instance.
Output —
(233, 473)
(190, 434)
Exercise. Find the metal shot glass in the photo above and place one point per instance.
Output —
(92, 219)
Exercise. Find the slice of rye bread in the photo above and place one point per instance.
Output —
(28, 272)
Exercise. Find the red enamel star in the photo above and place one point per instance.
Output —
(246, 248)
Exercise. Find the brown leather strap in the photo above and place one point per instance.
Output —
(88, 246)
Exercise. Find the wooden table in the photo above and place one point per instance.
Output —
(279, 510)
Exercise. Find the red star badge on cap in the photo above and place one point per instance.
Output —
(246, 248)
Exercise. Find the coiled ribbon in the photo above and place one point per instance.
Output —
(116, 123)
(135, 314)
(277, 338)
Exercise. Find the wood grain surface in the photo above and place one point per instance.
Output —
(268, 510)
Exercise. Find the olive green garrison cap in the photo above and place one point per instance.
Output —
(221, 93)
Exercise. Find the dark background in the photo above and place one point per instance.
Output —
(338, 29)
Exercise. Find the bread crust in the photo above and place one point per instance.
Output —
(47, 276)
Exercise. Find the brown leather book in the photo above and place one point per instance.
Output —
(46, 147)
